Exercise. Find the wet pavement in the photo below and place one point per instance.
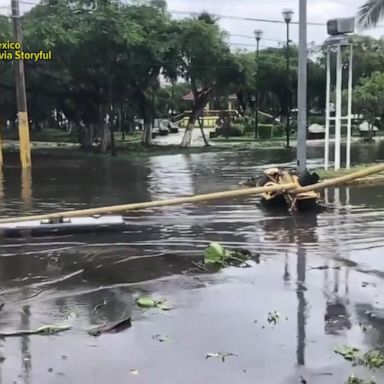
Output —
(323, 272)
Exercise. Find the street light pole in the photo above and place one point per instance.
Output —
(302, 89)
(287, 14)
(258, 35)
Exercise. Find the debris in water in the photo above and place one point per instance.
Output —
(115, 327)
(349, 353)
(356, 380)
(98, 306)
(161, 338)
(134, 372)
(50, 369)
(221, 355)
(366, 284)
(217, 255)
(2, 358)
(44, 330)
(1, 306)
(214, 254)
(321, 267)
(199, 266)
(149, 302)
(302, 380)
(372, 359)
(273, 317)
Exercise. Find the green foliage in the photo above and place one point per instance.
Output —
(356, 380)
(371, 13)
(149, 302)
(214, 254)
(369, 97)
(372, 359)
(217, 255)
(349, 353)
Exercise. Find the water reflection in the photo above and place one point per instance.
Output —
(75, 274)
(26, 188)
(301, 307)
(1, 185)
(26, 356)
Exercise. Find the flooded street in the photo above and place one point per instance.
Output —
(323, 272)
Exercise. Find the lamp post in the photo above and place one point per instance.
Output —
(302, 89)
(287, 14)
(258, 35)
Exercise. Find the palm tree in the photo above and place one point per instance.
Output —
(371, 13)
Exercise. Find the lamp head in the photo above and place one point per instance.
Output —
(287, 14)
(258, 34)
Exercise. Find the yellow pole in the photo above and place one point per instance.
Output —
(25, 151)
(291, 188)
(25, 146)
(158, 203)
(1, 149)
(26, 188)
(340, 180)
(1, 185)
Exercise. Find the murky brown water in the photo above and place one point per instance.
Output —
(59, 280)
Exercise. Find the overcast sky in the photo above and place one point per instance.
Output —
(319, 11)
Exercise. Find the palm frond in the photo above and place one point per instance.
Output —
(371, 13)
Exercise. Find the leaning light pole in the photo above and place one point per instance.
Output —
(302, 89)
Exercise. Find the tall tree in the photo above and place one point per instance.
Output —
(371, 13)
(369, 98)
(206, 62)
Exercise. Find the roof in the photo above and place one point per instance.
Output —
(189, 96)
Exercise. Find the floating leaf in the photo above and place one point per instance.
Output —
(214, 254)
(373, 359)
(349, 353)
(149, 302)
(356, 380)
(146, 302)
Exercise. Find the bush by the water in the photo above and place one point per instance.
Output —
(268, 131)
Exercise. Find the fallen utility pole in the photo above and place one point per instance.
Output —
(290, 188)
(25, 146)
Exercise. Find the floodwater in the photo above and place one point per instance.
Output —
(62, 280)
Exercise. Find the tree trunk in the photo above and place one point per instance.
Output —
(113, 146)
(201, 99)
(146, 139)
(105, 138)
(206, 142)
(187, 138)
(86, 137)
